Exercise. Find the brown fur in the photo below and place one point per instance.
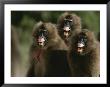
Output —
(76, 24)
(88, 64)
(43, 67)
(74, 17)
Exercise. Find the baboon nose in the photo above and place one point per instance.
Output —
(80, 45)
(41, 41)
(66, 28)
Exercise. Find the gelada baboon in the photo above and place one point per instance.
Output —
(45, 57)
(15, 53)
(68, 22)
(84, 55)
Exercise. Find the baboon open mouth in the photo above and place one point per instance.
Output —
(66, 32)
(41, 41)
(80, 48)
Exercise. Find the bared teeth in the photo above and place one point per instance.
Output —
(80, 50)
(66, 31)
(66, 34)
(80, 47)
(41, 41)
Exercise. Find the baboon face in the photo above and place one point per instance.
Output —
(44, 33)
(81, 43)
(68, 22)
(67, 26)
(41, 36)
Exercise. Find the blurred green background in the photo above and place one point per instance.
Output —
(25, 20)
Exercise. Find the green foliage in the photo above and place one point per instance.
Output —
(90, 20)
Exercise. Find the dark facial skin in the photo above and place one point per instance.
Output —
(81, 43)
(67, 27)
(41, 37)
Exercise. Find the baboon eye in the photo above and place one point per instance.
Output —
(65, 21)
(68, 22)
(85, 39)
(45, 32)
(36, 34)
